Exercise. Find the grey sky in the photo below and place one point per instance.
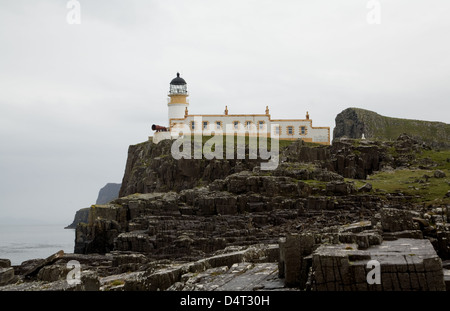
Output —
(74, 97)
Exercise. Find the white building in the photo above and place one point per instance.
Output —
(286, 129)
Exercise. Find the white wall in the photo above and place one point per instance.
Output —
(316, 134)
(176, 111)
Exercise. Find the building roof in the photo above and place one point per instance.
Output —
(178, 80)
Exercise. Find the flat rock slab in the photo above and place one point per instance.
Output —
(405, 265)
(356, 227)
(242, 276)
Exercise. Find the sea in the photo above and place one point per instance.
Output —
(19, 243)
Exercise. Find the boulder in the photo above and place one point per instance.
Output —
(439, 174)
(293, 266)
(339, 188)
(393, 220)
(53, 273)
(89, 281)
(6, 275)
(5, 263)
(366, 188)
(34, 269)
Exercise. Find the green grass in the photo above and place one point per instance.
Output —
(253, 143)
(310, 167)
(440, 157)
(117, 282)
(388, 128)
(315, 183)
(407, 182)
(281, 142)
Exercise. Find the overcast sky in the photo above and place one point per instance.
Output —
(74, 97)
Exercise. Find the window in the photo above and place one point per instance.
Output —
(303, 130)
(192, 125)
(277, 130)
(261, 125)
(290, 130)
(236, 125)
(248, 124)
(218, 125)
(205, 125)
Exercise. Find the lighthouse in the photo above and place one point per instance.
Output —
(177, 102)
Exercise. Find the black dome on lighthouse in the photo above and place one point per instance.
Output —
(178, 80)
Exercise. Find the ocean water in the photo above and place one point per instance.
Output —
(23, 242)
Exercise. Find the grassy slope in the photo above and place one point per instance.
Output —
(387, 128)
(407, 182)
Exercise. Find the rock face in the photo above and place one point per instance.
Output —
(244, 208)
(350, 125)
(81, 216)
(151, 168)
(187, 209)
(354, 122)
(108, 193)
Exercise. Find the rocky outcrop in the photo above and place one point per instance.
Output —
(342, 258)
(245, 207)
(108, 193)
(354, 122)
(36, 266)
(233, 268)
(357, 160)
(405, 265)
(188, 276)
(242, 209)
(151, 168)
(81, 216)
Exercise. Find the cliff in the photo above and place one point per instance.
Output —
(353, 122)
(188, 208)
(151, 168)
(108, 193)
(81, 216)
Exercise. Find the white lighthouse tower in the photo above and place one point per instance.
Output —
(177, 102)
